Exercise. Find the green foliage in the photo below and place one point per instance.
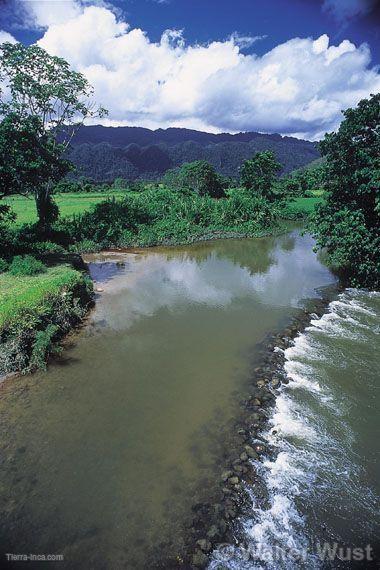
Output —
(37, 310)
(304, 182)
(348, 223)
(26, 265)
(43, 247)
(45, 103)
(69, 204)
(3, 265)
(42, 347)
(25, 162)
(163, 216)
(300, 208)
(198, 176)
(84, 246)
(103, 154)
(259, 175)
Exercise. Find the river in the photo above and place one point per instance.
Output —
(104, 456)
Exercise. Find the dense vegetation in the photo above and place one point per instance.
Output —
(347, 224)
(105, 153)
(42, 103)
(35, 312)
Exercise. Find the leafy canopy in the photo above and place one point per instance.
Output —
(348, 224)
(43, 102)
(199, 177)
(259, 174)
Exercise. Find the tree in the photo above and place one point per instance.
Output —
(26, 163)
(198, 176)
(348, 223)
(47, 101)
(304, 181)
(259, 174)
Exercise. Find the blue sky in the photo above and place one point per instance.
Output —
(269, 65)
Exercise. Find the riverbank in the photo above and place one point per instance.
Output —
(36, 312)
(219, 527)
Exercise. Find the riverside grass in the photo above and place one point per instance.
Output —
(78, 202)
(30, 293)
(35, 312)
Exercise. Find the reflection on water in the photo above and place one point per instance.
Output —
(103, 456)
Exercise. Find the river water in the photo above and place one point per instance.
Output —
(104, 455)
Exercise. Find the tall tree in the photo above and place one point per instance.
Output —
(259, 174)
(198, 176)
(48, 101)
(348, 224)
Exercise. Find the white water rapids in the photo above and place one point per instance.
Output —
(322, 481)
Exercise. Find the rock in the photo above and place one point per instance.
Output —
(251, 452)
(204, 544)
(213, 532)
(200, 559)
(244, 456)
(234, 480)
(256, 402)
(239, 468)
(226, 475)
(275, 382)
(99, 290)
(260, 383)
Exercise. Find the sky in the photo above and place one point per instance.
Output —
(286, 66)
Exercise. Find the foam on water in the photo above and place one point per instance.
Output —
(314, 461)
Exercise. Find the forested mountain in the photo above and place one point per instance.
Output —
(105, 153)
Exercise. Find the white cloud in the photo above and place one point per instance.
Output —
(297, 88)
(6, 37)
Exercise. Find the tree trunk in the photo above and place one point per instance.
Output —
(47, 210)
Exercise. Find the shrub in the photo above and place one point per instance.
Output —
(85, 246)
(43, 346)
(26, 265)
(3, 265)
(42, 247)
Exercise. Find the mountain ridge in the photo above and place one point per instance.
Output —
(105, 153)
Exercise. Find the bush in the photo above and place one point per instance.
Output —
(35, 312)
(3, 265)
(26, 265)
(85, 246)
(43, 346)
(42, 247)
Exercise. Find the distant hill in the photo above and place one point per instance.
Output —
(105, 153)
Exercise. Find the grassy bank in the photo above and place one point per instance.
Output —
(79, 202)
(69, 204)
(35, 312)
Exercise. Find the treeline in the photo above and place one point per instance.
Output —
(305, 182)
(105, 153)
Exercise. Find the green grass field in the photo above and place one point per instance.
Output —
(77, 203)
(69, 204)
(21, 294)
(304, 205)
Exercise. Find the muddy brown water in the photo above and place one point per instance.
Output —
(103, 456)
